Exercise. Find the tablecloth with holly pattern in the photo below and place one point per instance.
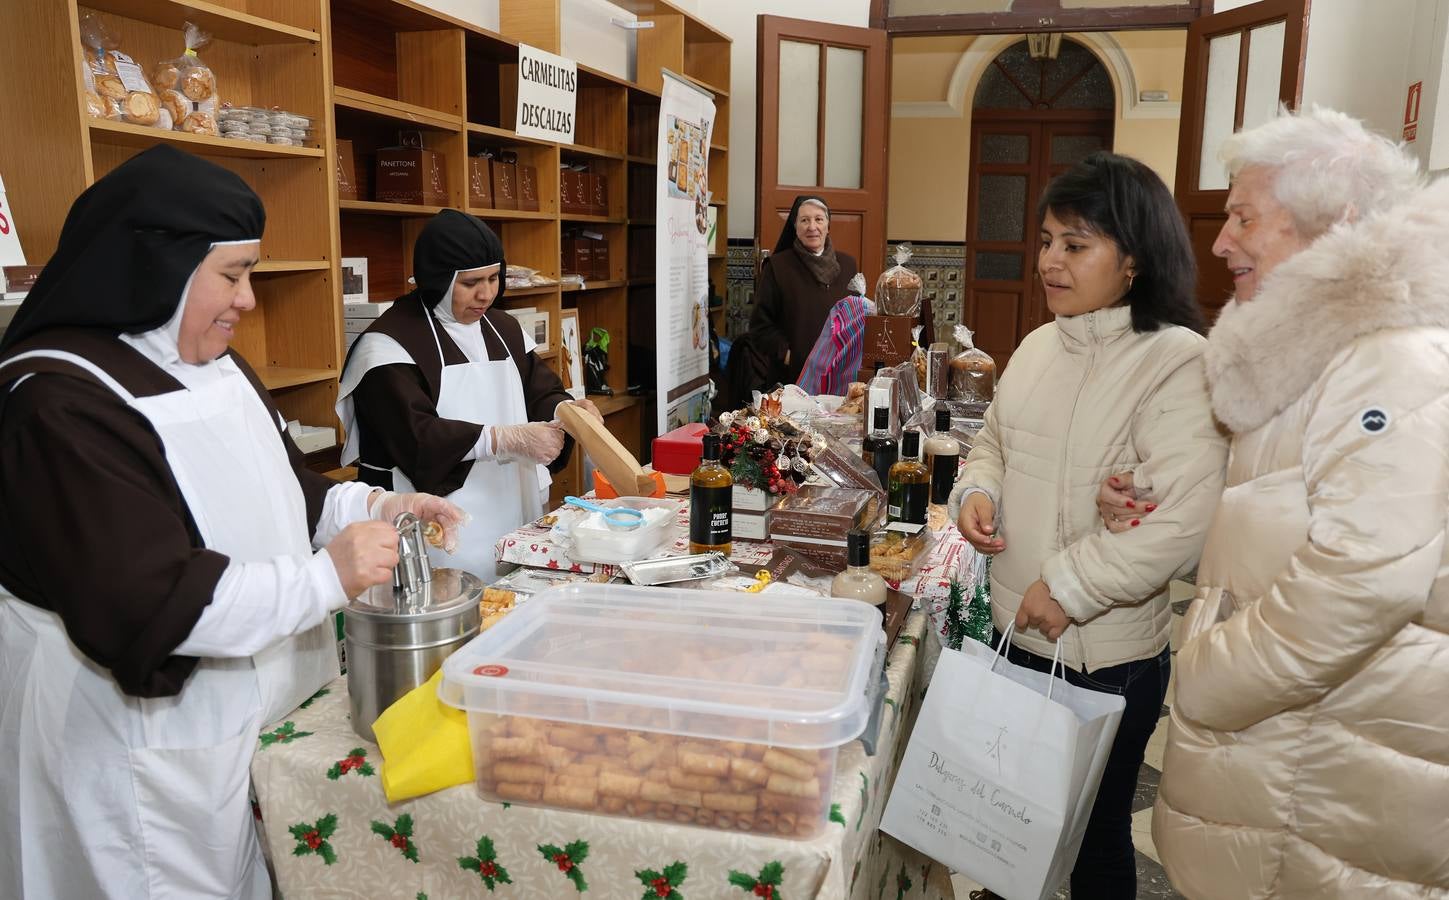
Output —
(332, 834)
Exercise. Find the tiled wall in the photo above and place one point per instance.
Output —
(941, 267)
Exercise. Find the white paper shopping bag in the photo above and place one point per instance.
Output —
(1001, 771)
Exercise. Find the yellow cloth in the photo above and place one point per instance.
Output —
(424, 742)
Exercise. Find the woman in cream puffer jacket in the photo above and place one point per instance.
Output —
(1308, 753)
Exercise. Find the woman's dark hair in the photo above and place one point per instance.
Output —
(1122, 199)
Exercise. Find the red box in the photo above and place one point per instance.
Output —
(678, 452)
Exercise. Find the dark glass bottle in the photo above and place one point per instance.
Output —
(942, 454)
(711, 502)
(910, 483)
(879, 448)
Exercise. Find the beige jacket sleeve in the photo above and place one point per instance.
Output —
(1184, 458)
(1378, 503)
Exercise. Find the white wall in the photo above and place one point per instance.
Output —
(483, 13)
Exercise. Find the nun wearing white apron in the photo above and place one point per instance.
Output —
(444, 394)
(162, 594)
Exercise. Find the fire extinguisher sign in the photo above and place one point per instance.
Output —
(1411, 111)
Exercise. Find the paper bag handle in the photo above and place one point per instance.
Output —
(1005, 641)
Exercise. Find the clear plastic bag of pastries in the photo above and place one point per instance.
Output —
(188, 86)
(116, 87)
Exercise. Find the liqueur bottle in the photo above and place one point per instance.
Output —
(942, 454)
(858, 582)
(910, 483)
(711, 523)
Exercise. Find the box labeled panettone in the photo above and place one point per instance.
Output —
(814, 522)
(719, 710)
(528, 188)
(572, 192)
(577, 257)
(505, 184)
(598, 194)
(410, 175)
(346, 171)
(887, 340)
(599, 248)
(480, 182)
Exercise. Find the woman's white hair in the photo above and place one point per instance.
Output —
(1328, 167)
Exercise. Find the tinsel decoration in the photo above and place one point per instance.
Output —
(968, 619)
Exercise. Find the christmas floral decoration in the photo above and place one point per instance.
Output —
(312, 837)
(283, 735)
(399, 834)
(354, 761)
(486, 864)
(766, 884)
(568, 859)
(763, 453)
(663, 885)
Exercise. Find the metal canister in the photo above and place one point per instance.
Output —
(399, 634)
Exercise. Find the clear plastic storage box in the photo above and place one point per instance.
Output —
(694, 707)
(601, 544)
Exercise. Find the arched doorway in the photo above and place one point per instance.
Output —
(1031, 118)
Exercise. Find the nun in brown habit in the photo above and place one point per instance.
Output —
(163, 594)
(444, 393)
(799, 284)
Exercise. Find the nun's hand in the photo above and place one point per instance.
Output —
(538, 442)
(364, 554)
(449, 517)
(588, 407)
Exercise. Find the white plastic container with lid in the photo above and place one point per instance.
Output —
(597, 543)
(691, 707)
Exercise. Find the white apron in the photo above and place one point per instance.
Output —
(125, 797)
(500, 496)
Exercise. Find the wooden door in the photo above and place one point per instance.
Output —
(822, 117)
(1013, 158)
(1240, 65)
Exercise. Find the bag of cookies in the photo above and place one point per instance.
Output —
(116, 88)
(188, 86)
(898, 290)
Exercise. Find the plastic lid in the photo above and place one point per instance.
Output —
(710, 448)
(943, 419)
(882, 418)
(782, 670)
(857, 548)
(910, 444)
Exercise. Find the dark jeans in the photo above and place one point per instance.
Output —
(1107, 865)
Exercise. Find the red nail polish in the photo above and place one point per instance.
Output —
(1151, 507)
(1136, 522)
(1131, 505)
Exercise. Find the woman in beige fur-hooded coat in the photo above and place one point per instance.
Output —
(1308, 755)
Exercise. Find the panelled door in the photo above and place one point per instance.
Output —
(821, 123)
(1240, 65)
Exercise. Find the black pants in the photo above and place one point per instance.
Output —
(1107, 864)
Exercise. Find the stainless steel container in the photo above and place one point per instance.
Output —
(399, 634)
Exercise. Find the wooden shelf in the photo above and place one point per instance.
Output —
(599, 220)
(617, 403)
(649, 223)
(582, 150)
(525, 215)
(641, 282)
(388, 209)
(503, 134)
(716, 148)
(594, 286)
(643, 160)
(124, 134)
(346, 473)
(283, 266)
(224, 24)
(717, 91)
(396, 110)
(510, 293)
(719, 203)
(277, 377)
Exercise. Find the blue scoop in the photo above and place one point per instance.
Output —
(616, 518)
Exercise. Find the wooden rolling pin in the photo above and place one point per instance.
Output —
(625, 474)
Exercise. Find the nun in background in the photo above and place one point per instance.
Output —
(162, 599)
(444, 394)
(799, 284)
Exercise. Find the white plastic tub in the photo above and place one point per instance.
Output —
(605, 545)
(694, 707)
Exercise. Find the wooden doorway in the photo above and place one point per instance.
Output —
(1032, 118)
(1240, 65)
(822, 118)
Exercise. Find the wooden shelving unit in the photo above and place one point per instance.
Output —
(365, 70)
(264, 53)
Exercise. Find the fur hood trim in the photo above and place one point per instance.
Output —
(1386, 272)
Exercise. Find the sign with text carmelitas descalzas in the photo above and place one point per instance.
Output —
(548, 91)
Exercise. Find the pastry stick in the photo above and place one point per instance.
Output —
(704, 817)
(791, 766)
(703, 763)
(574, 739)
(589, 782)
(794, 787)
(691, 782)
(734, 803)
(611, 804)
(684, 814)
(572, 797)
(523, 792)
(617, 784)
(515, 747)
(663, 793)
(519, 772)
(748, 771)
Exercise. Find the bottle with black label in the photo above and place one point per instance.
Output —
(942, 453)
(711, 522)
(858, 582)
(879, 448)
(910, 483)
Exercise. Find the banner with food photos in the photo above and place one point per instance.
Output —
(681, 259)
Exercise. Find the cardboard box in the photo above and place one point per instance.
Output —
(679, 451)
(411, 175)
(577, 256)
(750, 526)
(354, 280)
(887, 340)
(505, 184)
(571, 193)
(480, 182)
(599, 257)
(347, 187)
(528, 188)
(598, 194)
(814, 522)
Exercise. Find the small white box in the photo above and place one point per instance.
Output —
(752, 499)
(751, 526)
(354, 279)
(311, 438)
(356, 326)
(364, 309)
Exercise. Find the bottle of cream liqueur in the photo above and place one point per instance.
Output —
(711, 504)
